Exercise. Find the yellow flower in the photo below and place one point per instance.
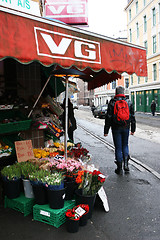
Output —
(56, 144)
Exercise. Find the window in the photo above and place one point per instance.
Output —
(140, 100)
(154, 44)
(145, 24)
(130, 35)
(131, 79)
(154, 16)
(137, 7)
(137, 27)
(146, 79)
(114, 85)
(138, 80)
(154, 72)
(146, 46)
(127, 83)
(147, 101)
(130, 16)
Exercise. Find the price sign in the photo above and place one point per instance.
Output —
(80, 211)
(24, 150)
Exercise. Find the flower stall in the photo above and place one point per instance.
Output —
(60, 187)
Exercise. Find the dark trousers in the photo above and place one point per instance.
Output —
(70, 135)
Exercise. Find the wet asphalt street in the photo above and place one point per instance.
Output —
(134, 212)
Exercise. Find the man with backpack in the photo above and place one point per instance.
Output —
(120, 116)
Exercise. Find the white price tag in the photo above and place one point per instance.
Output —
(101, 176)
(63, 196)
(44, 213)
(80, 211)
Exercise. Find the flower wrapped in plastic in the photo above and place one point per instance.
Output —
(90, 181)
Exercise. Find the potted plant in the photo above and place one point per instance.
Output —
(55, 189)
(90, 183)
(37, 182)
(72, 223)
(26, 169)
(11, 176)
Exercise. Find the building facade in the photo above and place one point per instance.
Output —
(143, 27)
(103, 94)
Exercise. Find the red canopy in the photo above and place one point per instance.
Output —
(30, 38)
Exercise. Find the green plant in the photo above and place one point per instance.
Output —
(39, 176)
(11, 172)
(27, 168)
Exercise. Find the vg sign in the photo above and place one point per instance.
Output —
(62, 46)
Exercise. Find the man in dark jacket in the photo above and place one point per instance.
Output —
(153, 107)
(120, 130)
(72, 125)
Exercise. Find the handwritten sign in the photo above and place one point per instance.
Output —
(24, 150)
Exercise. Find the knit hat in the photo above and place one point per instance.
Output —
(119, 90)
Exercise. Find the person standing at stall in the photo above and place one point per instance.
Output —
(72, 125)
(120, 116)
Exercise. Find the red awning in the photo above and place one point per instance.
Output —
(28, 38)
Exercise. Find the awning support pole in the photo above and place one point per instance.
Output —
(39, 96)
(66, 119)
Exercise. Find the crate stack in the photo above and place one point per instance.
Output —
(41, 213)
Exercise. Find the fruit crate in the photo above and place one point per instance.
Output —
(54, 217)
(21, 204)
(21, 123)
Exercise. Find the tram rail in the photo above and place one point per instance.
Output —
(135, 162)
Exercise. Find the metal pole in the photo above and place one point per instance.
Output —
(66, 119)
(39, 97)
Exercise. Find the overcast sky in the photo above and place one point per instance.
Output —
(107, 17)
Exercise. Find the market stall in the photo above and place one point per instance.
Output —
(100, 59)
(66, 51)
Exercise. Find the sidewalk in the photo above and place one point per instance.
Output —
(133, 200)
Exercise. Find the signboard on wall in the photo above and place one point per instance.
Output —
(27, 6)
(68, 11)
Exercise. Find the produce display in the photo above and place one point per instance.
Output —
(5, 150)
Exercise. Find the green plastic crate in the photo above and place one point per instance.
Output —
(21, 204)
(54, 217)
(21, 125)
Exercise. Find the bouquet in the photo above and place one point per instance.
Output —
(77, 212)
(71, 214)
(90, 182)
(70, 167)
(54, 181)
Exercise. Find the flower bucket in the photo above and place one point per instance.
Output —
(90, 200)
(83, 220)
(72, 225)
(56, 198)
(71, 186)
(28, 190)
(12, 188)
(56, 187)
(40, 194)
